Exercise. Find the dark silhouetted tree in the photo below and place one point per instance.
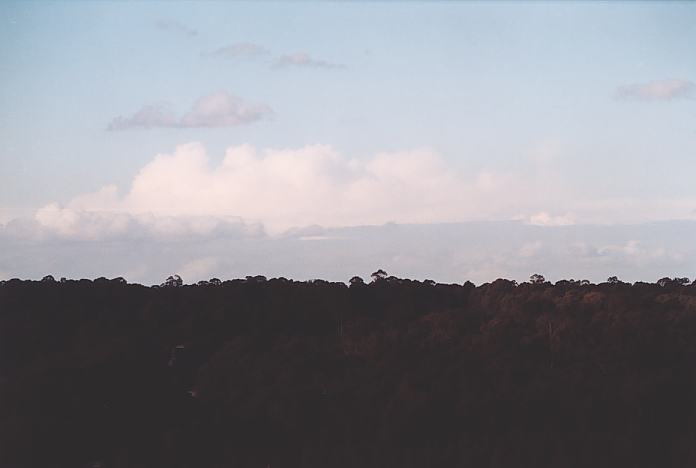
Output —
(378, 275)
(537, 279)
(666, 281)
(173, 281)
(356, 281)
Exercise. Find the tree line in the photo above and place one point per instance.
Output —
(260, 372)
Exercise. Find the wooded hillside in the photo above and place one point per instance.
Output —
(392, 373)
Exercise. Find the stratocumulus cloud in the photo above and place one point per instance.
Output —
(659, 90)
(219, 109)
(477, 251)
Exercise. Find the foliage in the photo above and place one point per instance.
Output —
(271, 372)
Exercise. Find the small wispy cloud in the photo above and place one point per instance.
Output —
(223, 110)
(218, 109)
(303, 59)
(238, 50)
(659, 90)
(149, 116)
(175, 27)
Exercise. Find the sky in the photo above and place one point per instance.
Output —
(212, 137)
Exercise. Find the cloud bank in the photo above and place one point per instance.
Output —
(660, 90)
(280, 189)
(477, 251)
(284, 188)
(312, 212)
(218, 109)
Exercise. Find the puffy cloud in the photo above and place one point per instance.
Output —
(85, 219)
(218, 109)
(184, 193)
(659, 90)
(239, 50)
(279, 188)
(303, 59)
(175, 27)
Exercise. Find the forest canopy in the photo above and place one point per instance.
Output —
(260, 372)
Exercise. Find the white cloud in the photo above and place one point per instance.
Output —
(183, 194)
(95, 217)
(545, 219)
(175, 27)
(279, 188)
(218, 109)
(659, 90)
(303, 59)
(239, 50)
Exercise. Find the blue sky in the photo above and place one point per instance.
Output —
(541, 112)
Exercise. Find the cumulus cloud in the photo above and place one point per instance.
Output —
(218, 109)
(101, 216)
(303, 59)
(183, 192)
(239, 50)
(659, 90)
(175, 27)
(91, 226)
(280, 189)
